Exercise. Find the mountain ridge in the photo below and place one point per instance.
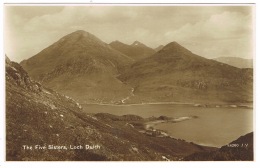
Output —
(105, 75)
(159, 48)
(136, 50)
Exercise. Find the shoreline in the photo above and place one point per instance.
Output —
(213, 105)
(137, 104)
(151, 124)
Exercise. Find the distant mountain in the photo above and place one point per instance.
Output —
(236, 62)
(82, 66)
(136, 50)
(159, 48)
(36, 115)
(176, 74)
(238, 150)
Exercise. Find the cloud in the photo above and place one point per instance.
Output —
(220, 26)
(207, 31)
(73, 16)
(224, 34)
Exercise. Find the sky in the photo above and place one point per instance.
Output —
(209, 31)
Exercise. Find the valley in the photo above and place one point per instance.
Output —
(134, 102)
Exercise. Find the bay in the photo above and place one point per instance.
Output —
(215, 126)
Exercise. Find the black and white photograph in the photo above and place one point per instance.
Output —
(131, 82)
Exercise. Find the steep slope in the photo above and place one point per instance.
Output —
(137, 50)
(236, 62)
(81, 66)
(36, 115)
(240, 149)
(176, 74)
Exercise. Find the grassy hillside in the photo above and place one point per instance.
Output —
(36, 115)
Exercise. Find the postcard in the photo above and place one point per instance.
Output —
(131, 82)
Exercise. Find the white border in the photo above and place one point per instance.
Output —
(131, 1)
(211, 164)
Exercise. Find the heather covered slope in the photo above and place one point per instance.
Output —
(36, 115)
(136, 50)
(176, 74)
(81, 66)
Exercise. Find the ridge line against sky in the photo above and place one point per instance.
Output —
(209, 31)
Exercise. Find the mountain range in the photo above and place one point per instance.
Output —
(89, 70)
(236, 62)
(175, 73)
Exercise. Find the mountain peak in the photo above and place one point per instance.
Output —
(81, 33)
(79, 39)
(175, 47)
(137, 43)
(116, 42)
(136, 50)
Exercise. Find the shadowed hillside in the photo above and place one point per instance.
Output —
(240, 149)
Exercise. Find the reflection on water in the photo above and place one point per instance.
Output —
(214, 126)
